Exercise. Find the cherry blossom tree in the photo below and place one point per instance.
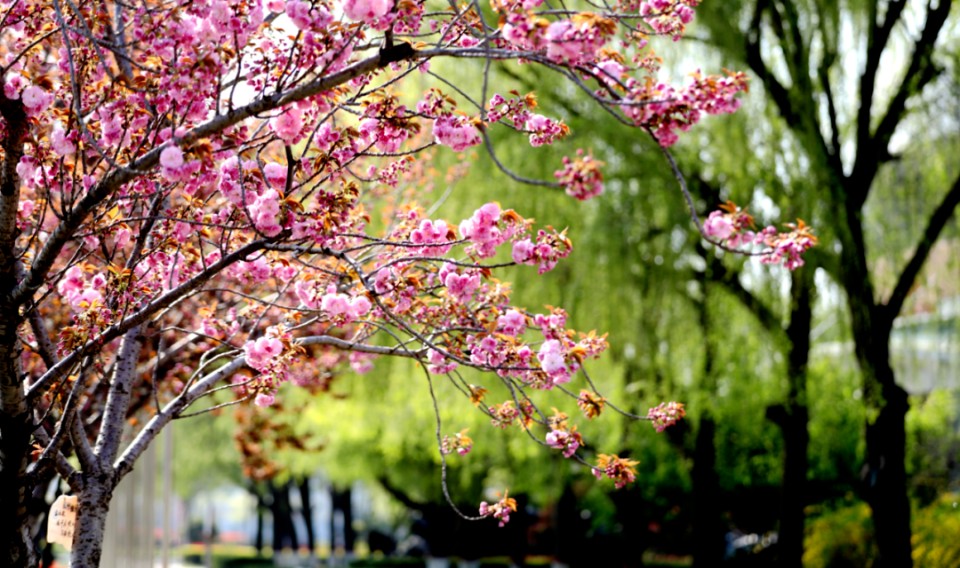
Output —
(188, 206)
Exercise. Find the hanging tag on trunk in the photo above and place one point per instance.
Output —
(62, 520)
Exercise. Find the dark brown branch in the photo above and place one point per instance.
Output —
(780, 95)
(797, 105)
(877, 37)
(920, 72)
(910, 272)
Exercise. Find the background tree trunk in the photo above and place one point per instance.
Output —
(306, 504)
(793, 418)
(885, 477)
(708, 529)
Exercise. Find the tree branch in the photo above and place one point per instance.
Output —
(145, 313)
(920, 72)
(118, 397)
(111, 182)
(910, 272)
(877, 37)
(173, 409)
(797, 105)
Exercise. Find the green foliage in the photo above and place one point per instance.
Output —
(841, 538)
(844, 537)
(837, 416)
(933, 442)
(225, 556)
(935, 530)
(206, 456)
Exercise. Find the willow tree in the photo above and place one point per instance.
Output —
(843, 78)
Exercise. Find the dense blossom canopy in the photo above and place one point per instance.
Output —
(221, 195)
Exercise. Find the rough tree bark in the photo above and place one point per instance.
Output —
(16, 421)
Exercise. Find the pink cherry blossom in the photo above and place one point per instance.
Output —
(718, 226)
(512, 323)
(288, 125)
(171, 158)
(35, 99)
(258, 353)
(275, 174)
(457, 132)
(61, 144)
(366, 10)
(264, 399)
(462, 286)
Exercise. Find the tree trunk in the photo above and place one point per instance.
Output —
(884, 473)
(258, 540)
(342, 501)
(16, 550)
(708, 541)
(284, 531)
(708, 529)
(94, 503)
(307, 512)
(885, 479)
(793, 418)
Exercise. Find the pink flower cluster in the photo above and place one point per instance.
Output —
(512, 323)
(665, 110)
(35, 99)
(553, 362)
(387, 136)
(439, 365)
(522, 30)
(620, 470)
(460, 283)
(788, 248)
(459, 442)
(487, 352)
(572, 41)
(261, 352)
(544, 251)
(515, 109)
(487, 229)
(288, 125)
(303, 15)
(173, 165)
(500, 510)
(581, 178)
(569, 442)
(275, 174)
(435, 238)
(668, 17)
(666, 414)
(267, 355)
(79, 291)
(732, 227)
(341, 308)
(456, 131)
(367, 10)
(265, 213)
(568, 42)
(544, 130)
(504, 415)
